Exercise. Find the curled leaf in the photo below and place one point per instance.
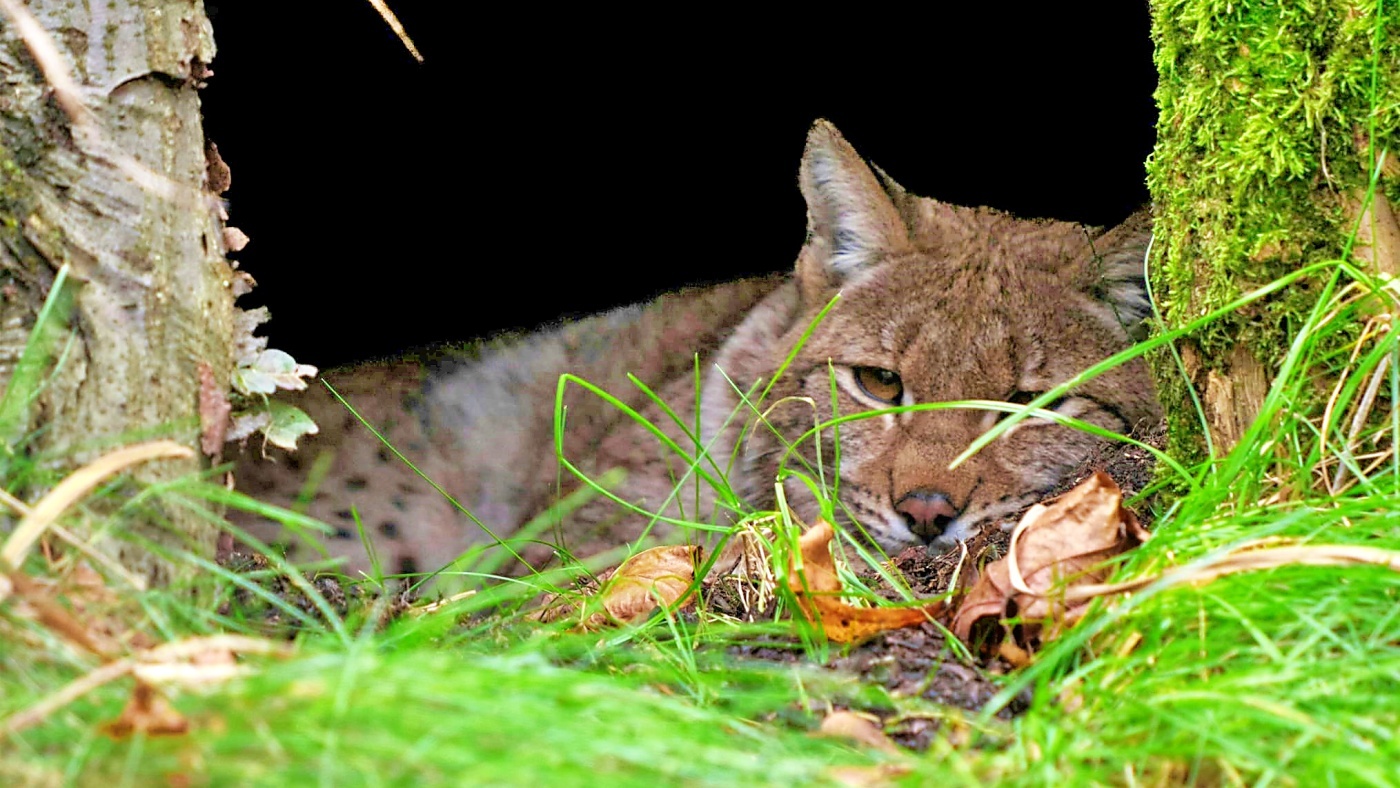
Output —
(1054, 549)
(661, 576)
(818, 591)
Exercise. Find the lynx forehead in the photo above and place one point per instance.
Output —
(937, 303)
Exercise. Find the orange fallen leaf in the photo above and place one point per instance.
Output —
(1014, 655)
(652, 578)
(818, 592)
(147, 712)
(1055, 548)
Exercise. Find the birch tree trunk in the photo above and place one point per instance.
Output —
(1273, 115)
(107, 174)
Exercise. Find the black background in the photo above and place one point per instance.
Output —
(544, 163)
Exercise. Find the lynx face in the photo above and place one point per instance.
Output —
(940, 303)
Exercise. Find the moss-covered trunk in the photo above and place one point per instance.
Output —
(102, 169)
(1270, 114)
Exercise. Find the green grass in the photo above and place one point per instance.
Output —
(369, 715)
(1290, 675)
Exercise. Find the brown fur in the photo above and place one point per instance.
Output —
(960, 303)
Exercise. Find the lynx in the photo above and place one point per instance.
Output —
(929, 302)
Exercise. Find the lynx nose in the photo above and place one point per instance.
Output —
(928, 512)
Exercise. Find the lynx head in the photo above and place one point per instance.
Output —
(942, 303)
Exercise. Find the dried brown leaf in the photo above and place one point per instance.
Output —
(147, 712)
(87, 587)
(652, 578)
(1055, 548)
(659, 576)
(818, 592)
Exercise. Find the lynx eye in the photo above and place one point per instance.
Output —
(881, 384)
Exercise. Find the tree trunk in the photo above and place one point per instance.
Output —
(107, 174)
(1266, 141)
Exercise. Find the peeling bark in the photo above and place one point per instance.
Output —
(116, 189)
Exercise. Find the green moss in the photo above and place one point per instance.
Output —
(1261, 109)
(15, 198)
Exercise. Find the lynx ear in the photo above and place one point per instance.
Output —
(850, 219)
(1117, 273)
